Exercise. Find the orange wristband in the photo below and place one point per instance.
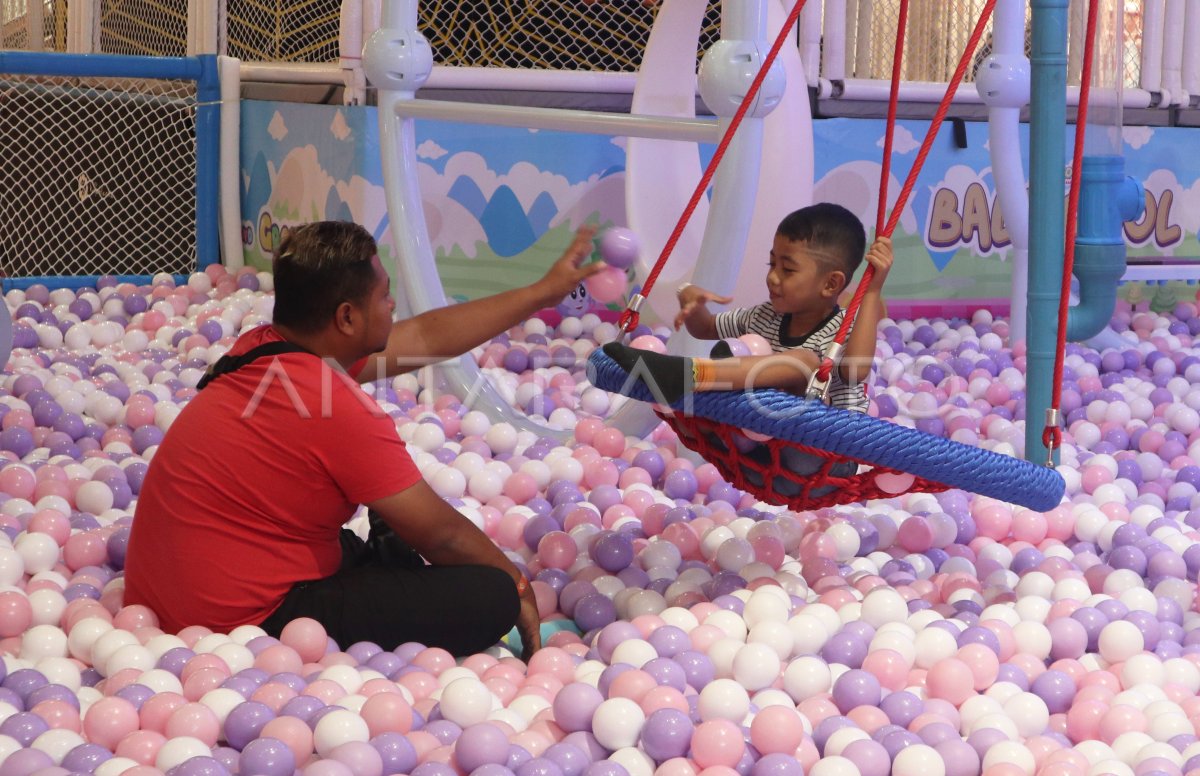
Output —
(522, 585)
(704, 374)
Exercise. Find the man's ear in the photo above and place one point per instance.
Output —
(345, 317)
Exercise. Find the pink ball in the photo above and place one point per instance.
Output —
(776, 729)
(757, 344)
(648, 342)
(294, 733)
(520, 487)
(16, 613)
(717, 742)
(557, 550)
(307, 637)
(607, 286)
(609, 442)
(387, 712)
(141, 746)
(195, 720)
(109, 720)
(17, 481)
(951, 680)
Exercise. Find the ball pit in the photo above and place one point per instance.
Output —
(689, 629)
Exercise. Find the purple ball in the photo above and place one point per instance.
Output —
(697, 667)
(680, 484)
(85, 757)
(611, 551)
(619, 247)
(570, 758)
(267, 756)
(856, 688)
(398, 754)
(777, 765)
(245, 722)
(516, 360)
(574, 705)
(667, 733)
(479, 745)
(199, 766)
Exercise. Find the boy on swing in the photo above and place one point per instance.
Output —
(816, 251)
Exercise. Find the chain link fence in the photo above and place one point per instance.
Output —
(99, 177)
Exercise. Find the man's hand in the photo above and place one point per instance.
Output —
(529, 625)
(880, 257)
(694, 300)
(565, 275)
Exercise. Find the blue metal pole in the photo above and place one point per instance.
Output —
(1047, 179)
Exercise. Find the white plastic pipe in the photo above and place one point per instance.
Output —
(202, 23)
(1008, 170)
(81, 28)
(833, 55)
(229, 183)
(530, 80)
(862, 47)
(292, 72)
(917, 91)
(35, 25)
(810, 40)
(1191, 51)
(1172, 59)
(586, 122)
(1153, 13)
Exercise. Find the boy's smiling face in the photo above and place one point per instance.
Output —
(801, 280)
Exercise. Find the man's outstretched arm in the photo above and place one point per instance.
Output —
(450, 331)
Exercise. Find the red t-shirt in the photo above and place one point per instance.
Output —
(248, 490)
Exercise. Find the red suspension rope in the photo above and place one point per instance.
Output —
(885, 166)
(629, 318)
(910, 182)
(1052, 435)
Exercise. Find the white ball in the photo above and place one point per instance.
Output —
(56, 743)
(617, 723)
(724, 699)
(1119, 641)
(177, 751)
(807, 676)
(339, 727)
(918, 760)
(43, 641)
(466, 702)
(756, 666)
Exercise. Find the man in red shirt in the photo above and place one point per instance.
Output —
(239, 518)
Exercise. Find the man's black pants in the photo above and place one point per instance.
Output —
(384, 593)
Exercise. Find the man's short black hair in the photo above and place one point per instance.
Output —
(828, 228)
(317, 267)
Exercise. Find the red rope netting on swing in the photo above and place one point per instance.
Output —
(761, 465)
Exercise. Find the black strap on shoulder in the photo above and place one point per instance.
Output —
(226, 364)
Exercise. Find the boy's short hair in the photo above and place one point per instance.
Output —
(828, 228)
(317, 267)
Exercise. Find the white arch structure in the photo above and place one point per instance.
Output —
(662, 171)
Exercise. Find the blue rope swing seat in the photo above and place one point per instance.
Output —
(712, 424)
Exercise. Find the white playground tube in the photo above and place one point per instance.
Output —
(398, 61)
(1003, 84)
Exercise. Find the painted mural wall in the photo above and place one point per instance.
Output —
(501, 203)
